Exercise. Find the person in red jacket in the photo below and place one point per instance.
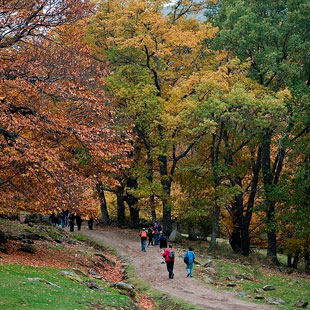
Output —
(169, 256)
(143, 236)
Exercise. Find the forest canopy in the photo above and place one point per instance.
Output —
(203, 120)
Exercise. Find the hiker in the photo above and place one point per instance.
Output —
(91, 223)
(163, 241)
(143, 236)
(53, 219)
(78, 221)
(150, 233)
(169, 256)
(62, 217)
(71, 218)
(189, 259)
(156, 232)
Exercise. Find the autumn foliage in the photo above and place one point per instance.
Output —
(55, 118)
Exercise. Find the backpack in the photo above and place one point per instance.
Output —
(186, 259)
(143, 234)
(171, 254)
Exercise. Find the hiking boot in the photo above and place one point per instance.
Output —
(172, 275)
(187, 275)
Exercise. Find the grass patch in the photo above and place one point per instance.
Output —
(95, 244)
(288, 288)
(165, 302)
(17, 292)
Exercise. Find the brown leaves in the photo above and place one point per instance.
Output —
(55, 117)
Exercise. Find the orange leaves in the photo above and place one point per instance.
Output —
(52, 104)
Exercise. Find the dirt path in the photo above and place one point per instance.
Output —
(148, 266)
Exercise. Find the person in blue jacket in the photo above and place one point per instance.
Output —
(189, 258)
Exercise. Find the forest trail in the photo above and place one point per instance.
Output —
(149, 267)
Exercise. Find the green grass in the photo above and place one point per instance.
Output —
(16, 292)
(96, 244)
(288, 288)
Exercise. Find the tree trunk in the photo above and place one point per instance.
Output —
(237, 214)
(307, 263)
(214, 228)
(153, 208)
(120, 207)
(166, 186)
(134, 217)
(296, 259)
(192, 236)
(105, 219)
(132, 202)
(216, 211)
(289, 260)
(270, 204)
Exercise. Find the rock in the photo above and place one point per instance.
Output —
(94, 286)
(208, 263)
(123, 286)
(97, 276)
(231, 278)
(175, 236)
(28, 248)
(268, 288)
(259, 297)
(79, 272)
(208, 280)
(275, 301)
(301, 304)
(3, 238)
(106, 259)
(43, 281)
(246, 264)
(241, 294)
(92, 272)
(231, 284)
(71, 275)
(246, 276)
(258, 291)
(211, 271)
(33, 236)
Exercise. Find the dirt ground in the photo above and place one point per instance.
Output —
(150, 268)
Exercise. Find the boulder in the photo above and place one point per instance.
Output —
(175, 236)
(208, 280)
(79, 272)
(275, 301)
(242, 294)
(71, 275)
(105, 259)
(258, 291)
(42, 281)
(124, 286)
(28, 248)
(94, 286)
(301, 304)
(268, 288)
(211, 271)
(231, 278)
(92, 272)
(208, 263)
(128, 288)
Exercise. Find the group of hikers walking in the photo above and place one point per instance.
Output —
(168, 253)
(65, 219)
